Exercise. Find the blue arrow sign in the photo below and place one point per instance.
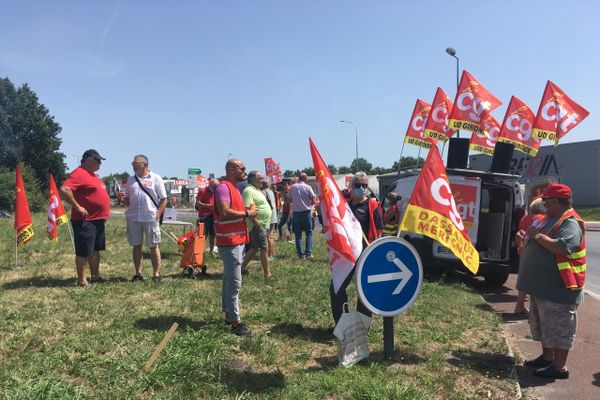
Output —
(389, 275)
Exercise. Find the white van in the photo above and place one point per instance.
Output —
(491, 205)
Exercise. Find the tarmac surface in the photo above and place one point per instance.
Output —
(583, 361)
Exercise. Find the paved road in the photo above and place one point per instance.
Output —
(592, 281)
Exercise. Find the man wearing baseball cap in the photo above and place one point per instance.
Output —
(90, 208)
(552, 271)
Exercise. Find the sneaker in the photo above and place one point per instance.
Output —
(551, 372)
(538, 362)
(241, 330)
(310, 257)
(137, 277)
(156, 279)
(97, 279)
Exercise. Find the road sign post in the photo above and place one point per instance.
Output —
(389, 275)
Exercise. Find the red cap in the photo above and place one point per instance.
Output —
(557, 191)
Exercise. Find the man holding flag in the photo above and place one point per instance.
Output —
(342, 231)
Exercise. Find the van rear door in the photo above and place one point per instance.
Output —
(467, 194)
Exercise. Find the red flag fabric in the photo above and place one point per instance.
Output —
(273, 171)
(485, 143)
(557, 114)
(342, 230)
(414, 133)
(56, 211)
(432, 212)
(472, 105)
(437, 123)
(201, 182)
(516, 128)
(23, 223)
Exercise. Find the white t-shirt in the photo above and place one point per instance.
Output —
(141, 208)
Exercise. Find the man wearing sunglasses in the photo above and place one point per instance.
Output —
(552, 271)
(367, 211)
(90, 208)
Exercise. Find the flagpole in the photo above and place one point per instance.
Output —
(70, 232)
(418, 156)
(16, 251)
(400, 160)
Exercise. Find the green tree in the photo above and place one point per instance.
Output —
(29, 134)
(310, 171)
(333, 169)
(344, 170)
(407, 162)
(36, 198)
(360, 164)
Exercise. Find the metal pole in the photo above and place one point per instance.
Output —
(356, 136)
(400, 160)
(388, 337)
(16, 251)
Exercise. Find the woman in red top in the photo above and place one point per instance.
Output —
(536, 214)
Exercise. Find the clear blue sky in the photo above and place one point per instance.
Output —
(189, 82)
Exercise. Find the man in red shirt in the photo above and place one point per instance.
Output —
(90, 208)
(205, 204)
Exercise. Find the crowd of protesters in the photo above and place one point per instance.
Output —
(241, 213)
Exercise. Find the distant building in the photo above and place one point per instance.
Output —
(574, 164)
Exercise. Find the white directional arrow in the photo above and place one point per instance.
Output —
(404, 275)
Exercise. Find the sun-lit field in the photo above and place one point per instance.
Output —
(59, 341)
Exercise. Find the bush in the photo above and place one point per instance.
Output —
(36, 195)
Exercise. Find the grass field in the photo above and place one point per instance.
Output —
(58, 341)
(589, 213)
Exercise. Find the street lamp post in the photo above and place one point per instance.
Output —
(452, 53)
(355, 131)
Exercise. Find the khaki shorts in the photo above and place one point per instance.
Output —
(553, 324)
(136, 231)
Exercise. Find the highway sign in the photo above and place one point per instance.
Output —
(389, 275)
(194, 171)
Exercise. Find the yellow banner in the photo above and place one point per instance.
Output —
(542, 134)
(523, 148)
(435, 135)
(482, 149)
(61, 220)
(417, 142)
(466, 125)
(24, 235)
(431, 224)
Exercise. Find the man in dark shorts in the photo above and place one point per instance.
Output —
(90, 208)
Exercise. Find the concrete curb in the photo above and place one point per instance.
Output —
(513, 373)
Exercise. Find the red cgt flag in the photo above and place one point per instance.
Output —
(432, 212)
(342, 229)
(557, 114)
(273, 171)
(56, 211)
(414, 133)
(516, 128)
(483, 143)
(472, 105)
(437, 123)
(23, 223)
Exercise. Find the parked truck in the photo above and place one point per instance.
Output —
(491, 206)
